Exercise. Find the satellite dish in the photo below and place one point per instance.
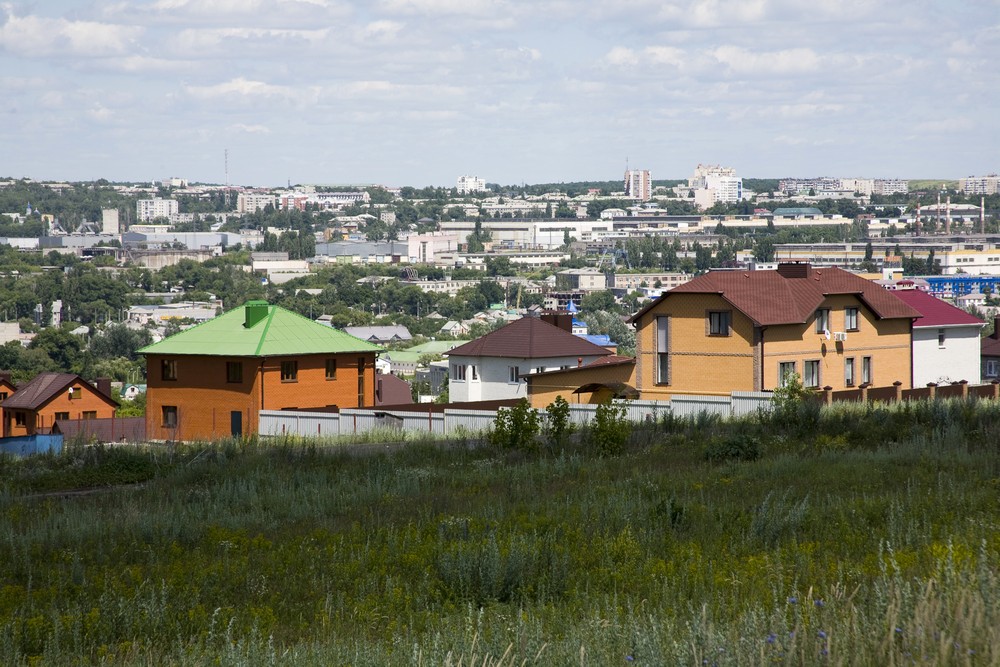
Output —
(826, 332)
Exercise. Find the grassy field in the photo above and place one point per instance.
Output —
(858, 536)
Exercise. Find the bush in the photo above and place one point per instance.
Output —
(515, 428)
(610, 430)
(557, 425)
(739, 447)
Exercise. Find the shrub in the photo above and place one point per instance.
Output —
(738, 447)
(515, 428)
(557, 425)
(610, 430)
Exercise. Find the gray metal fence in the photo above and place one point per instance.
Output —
(453, 421)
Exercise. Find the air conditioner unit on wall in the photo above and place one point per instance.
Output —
(839, 336)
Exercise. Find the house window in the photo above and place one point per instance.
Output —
(475, 372)
(810, 375)
(992, 366)
(851, 319)
(940, 337)
(289, 371)
(234, 371)
(786, 371)
(3, 396)
(89, 414)
(20, 419)
(168, 415)
(361, 381)
(663, 350)
(75, 393)
(822, 320)
(331, 369)
(514, 372)
(458, 373)
(849, 372)
(718, 323)
(866, 370)
(168, 370)
(62, 416)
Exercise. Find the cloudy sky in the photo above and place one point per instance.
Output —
(418, 92)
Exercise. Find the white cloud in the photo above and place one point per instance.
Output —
(38, 36)
(243, 128)
(946, 125)
(382, 30)
(245, 88)
(198, 40)
(466, 7)
(621, 56)
(768, 63)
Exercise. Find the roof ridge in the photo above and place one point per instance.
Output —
(271, 310)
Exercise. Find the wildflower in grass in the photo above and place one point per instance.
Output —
(821, 634)
(819, 603)
(771, 638)
(793, 600)
(629, 658)
(899, 631)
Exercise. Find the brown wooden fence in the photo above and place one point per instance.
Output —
(896, 392)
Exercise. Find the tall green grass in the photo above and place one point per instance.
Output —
(857, 535)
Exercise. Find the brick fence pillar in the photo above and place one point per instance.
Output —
(932, 388)
(996, 389)
(828, 395)
(899, 390)
(864, 392)
(965, 388)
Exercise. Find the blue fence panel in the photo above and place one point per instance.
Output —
(32, 444)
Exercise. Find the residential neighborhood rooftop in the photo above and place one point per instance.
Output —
(529, 338)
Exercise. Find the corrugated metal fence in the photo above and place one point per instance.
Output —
(456, 421)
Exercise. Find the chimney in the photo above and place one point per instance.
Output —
(579, 362)
(103, 385)
(916, 223)
(947, 216)
(254, 312)
(794, 269)
(5, 376)
(560, 319)
(982, 215)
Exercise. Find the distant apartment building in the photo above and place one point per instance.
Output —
(147, 210)
(174, 182)
(863, 186)
(712, 184)
(109, 221)
(470, 184)
(329, 200)
(638, 184)
(891, 186)
(980, 185)
(298, 201)
(251, 202)
(802, 186)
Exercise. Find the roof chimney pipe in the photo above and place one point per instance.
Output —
(254, 312)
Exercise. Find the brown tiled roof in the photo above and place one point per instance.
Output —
(990, 346)
(43, 388)
(610, 360)
(768, 297)
(529, 338)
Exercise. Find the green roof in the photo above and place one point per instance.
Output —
(273, 331)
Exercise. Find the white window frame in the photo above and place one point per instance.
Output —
(852, 317)
(822, 321)
(719, 323)
(513, 373)
(808, 368)
(458, 373)
(867, 371)
(992, 368)
(662, 325)
(786, 369)
(850, 374)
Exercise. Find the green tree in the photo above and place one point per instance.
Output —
(515, 428)
(609, 430)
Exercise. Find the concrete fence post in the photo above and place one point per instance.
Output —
(899, 390)
(864, 392)
(996, 389)
(828, 395)
(932, 390)
(965, 388)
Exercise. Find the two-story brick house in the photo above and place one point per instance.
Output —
(730, 331)
(49, 397)
(212, 380)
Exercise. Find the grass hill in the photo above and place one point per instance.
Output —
(857, 535)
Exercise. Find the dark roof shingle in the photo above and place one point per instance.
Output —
(529, 338)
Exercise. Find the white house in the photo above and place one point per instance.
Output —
(492, 367)
(945, 343)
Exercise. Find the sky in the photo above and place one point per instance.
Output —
(419, 92)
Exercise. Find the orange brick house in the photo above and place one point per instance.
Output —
(212, 380)
(6, 389)
(35, 406)
(728, 331)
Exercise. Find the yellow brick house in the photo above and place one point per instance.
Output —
(728, 331)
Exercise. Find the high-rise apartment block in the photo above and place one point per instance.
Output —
(713, 183)
(147, 210)
(891, 186)
(980, 185)
(251, 202)
(469, 184)
(638, 184)
(109, 221)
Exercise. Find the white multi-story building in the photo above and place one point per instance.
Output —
(469, 184)
(891, 186)
(864, 186)
(109, 221)
(980, 185)
(713, 183)
(251, 202)
(147, 210)
(638, 184)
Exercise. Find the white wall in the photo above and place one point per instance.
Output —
(493, 375)
(957, 360)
